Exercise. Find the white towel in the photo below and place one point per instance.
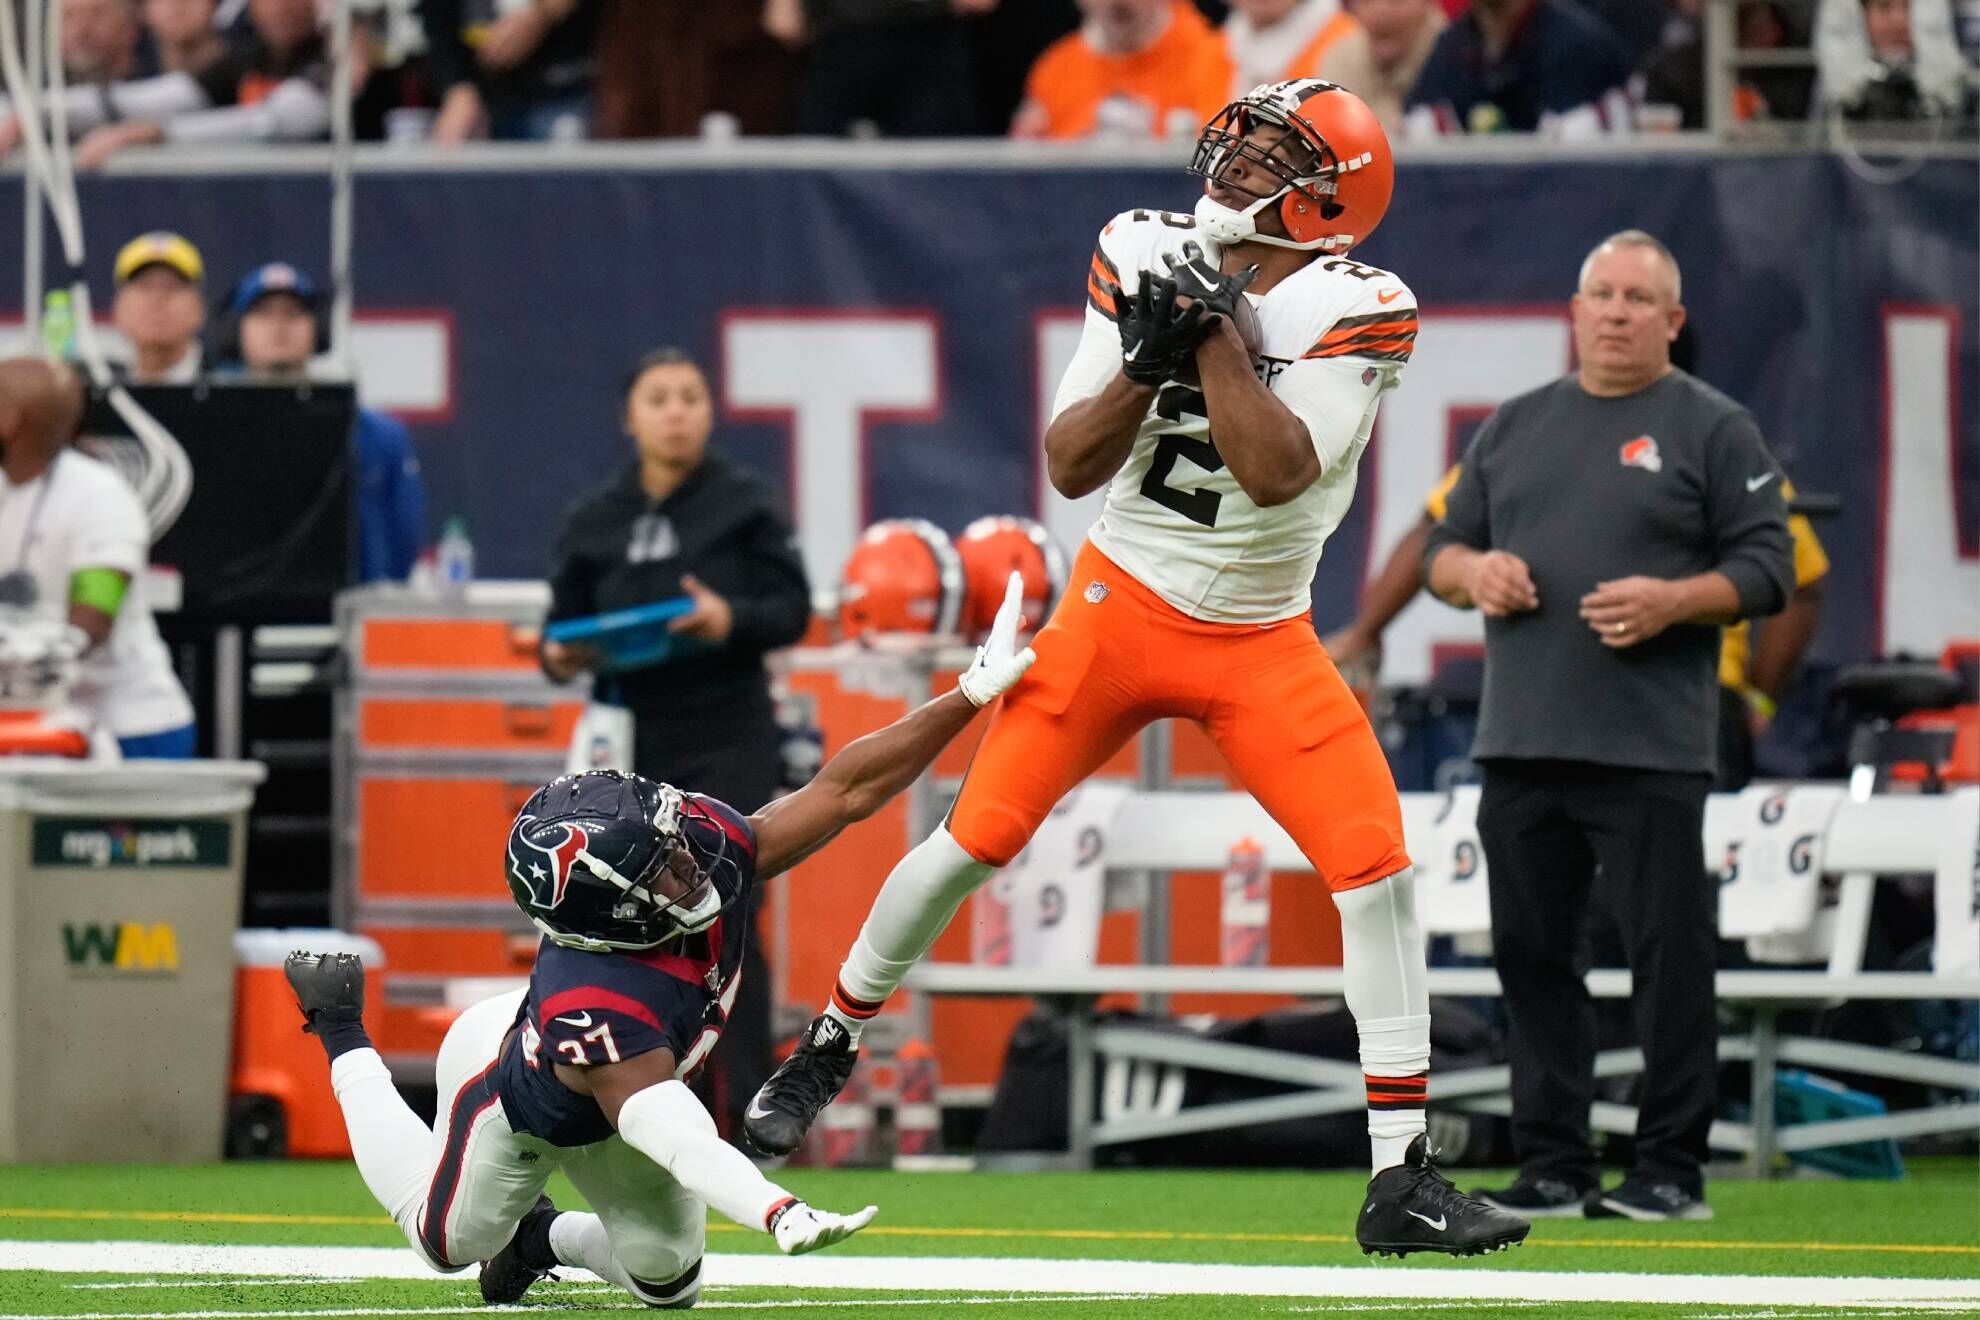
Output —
(1956, 891)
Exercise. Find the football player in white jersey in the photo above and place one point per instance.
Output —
(1226, 470)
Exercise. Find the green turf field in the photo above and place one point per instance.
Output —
(282, 1240)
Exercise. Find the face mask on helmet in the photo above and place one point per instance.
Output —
(1292, 168)
(619, 863)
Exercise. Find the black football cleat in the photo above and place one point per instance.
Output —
(508, 1274)
(1412, 1207)
(783, 1110)
(329, 989)
(1540, 1198)
(1648, 1202)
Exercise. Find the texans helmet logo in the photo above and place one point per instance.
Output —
(549, 875)
(1642, 453)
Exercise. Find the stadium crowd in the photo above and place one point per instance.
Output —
(151, 71)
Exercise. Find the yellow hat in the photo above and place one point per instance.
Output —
(160, 248)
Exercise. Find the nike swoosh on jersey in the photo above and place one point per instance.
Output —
(1755, 483)
(1387, 296)
(1437, 1223)
(583, 1020)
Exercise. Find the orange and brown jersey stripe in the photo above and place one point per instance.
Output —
(1388, 336)
(1103, 286)
(1409, 1092)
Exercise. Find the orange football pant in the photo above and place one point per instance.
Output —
(1267, 695)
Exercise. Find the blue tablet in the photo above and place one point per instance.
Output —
(628, 639)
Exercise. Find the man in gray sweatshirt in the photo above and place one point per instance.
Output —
(1608, 525)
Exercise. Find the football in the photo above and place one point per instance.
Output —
(1246, 320)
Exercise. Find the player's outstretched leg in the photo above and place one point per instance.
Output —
(1298, 741)
(391, 1145)
(919, 899)
(457, 1192)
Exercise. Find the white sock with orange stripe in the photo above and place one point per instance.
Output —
(394, 1150)
(1388, 993)
(1395, 1065)
(920, 898)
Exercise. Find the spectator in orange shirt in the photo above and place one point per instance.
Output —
(1279, 40)
(1135, 69)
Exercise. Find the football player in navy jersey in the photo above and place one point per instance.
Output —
(638, 889)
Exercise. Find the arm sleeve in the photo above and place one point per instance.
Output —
(775, 609)
(115, 534)
(668, 1125)
(406, 515)
(1439, 497)
(1336, 397)
(296, 111)
(1465, 520)
(572, 582)
(391, 499)
(1098, 355)
(1748, 515)
(1093, 364)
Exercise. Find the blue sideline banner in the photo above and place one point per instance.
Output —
(886, 340)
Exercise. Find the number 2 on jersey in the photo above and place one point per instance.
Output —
(1199, 506)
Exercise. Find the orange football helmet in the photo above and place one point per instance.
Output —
(994, 548)
(904, 577)
(1330, 171)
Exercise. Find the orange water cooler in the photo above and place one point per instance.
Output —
(279, 1100)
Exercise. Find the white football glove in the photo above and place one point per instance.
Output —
(799, 1228)
(999, 664)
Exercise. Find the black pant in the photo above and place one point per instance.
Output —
(737, 758)
(1735, 744)
(1547, 826)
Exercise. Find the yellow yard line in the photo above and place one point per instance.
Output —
(186, 1216)
(1022, 1234)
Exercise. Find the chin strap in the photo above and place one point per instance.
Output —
(1230, 227)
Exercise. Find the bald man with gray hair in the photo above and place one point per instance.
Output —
(1608, 525)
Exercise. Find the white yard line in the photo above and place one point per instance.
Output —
(1412, 1308)
(476, 1308)
(216, 1283)
(997, 1275)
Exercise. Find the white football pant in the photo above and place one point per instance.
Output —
(459, 1191)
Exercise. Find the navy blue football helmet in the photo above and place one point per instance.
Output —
(605, 861)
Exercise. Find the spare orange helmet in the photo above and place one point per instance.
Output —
(904, 577)
(994, 548)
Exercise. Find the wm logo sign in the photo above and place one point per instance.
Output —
(129, 946)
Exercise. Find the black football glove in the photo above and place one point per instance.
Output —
(1157, 337)
(1215, 291)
